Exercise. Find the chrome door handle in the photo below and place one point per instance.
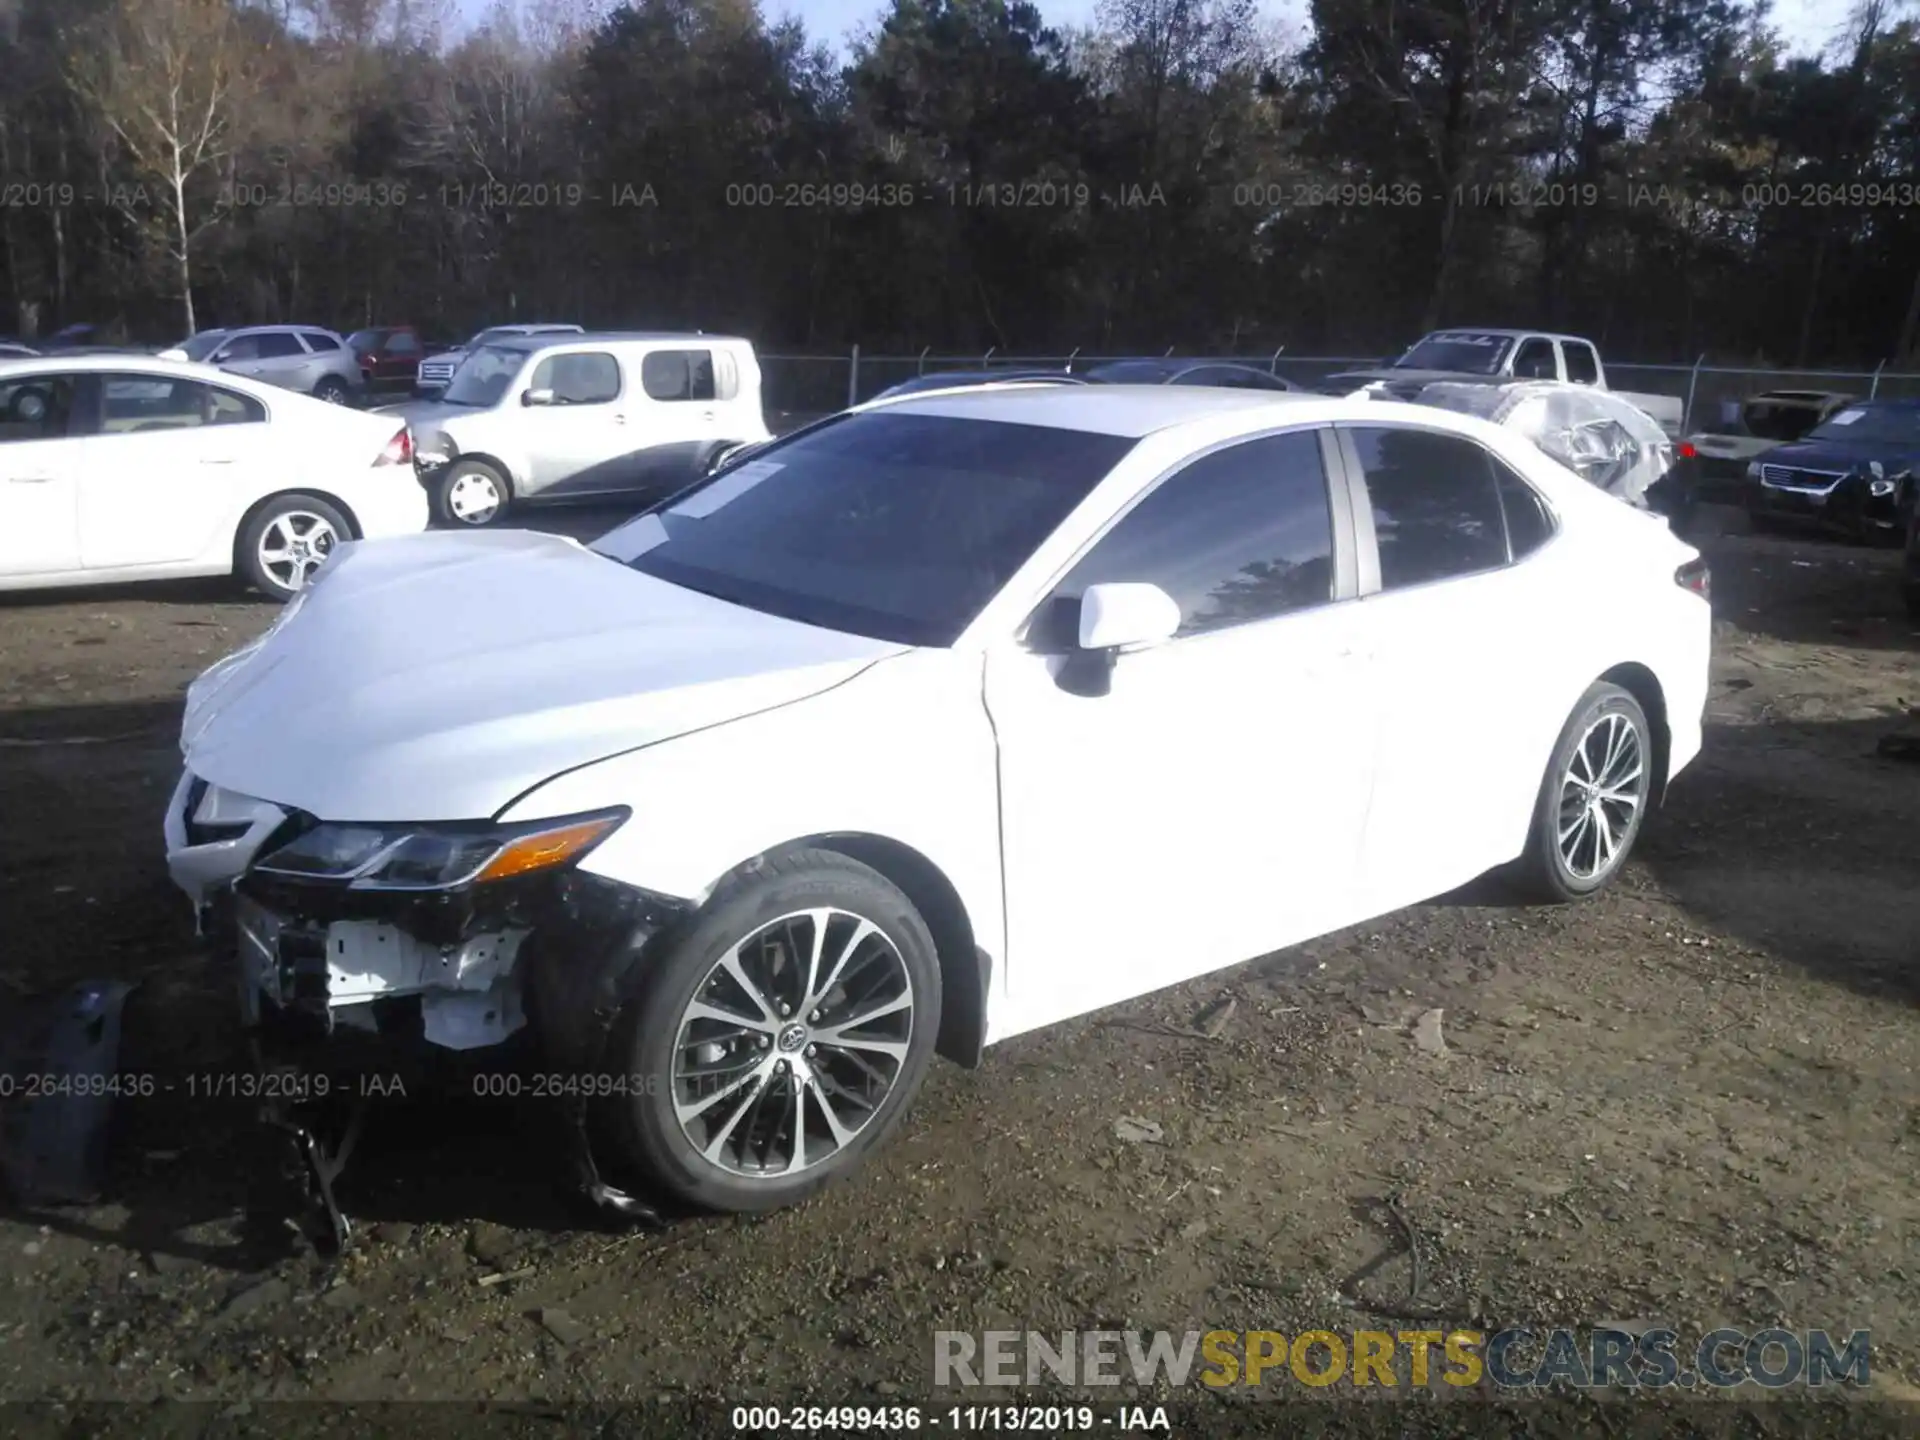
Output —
(706, 414)
(619, 419)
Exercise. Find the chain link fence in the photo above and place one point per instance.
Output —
(799, 387)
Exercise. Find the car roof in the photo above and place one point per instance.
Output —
(1130, 411)
(612, 337)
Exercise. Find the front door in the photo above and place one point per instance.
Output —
(578, 442)
(1208, 808)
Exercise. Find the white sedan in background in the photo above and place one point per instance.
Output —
(126, 467)
(943, 720)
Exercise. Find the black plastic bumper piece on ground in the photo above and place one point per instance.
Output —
(61, 1055)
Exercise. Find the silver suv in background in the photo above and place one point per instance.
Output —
(436, 371)
(306, 358)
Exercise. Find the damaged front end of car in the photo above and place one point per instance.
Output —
(374, 958)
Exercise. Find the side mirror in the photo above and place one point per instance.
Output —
(537, 397)
(1114, 618)
(1126, 617)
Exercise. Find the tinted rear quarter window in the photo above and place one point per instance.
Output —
(1529, 522)
(319, 343)
(1436, 510)
(1241, 534)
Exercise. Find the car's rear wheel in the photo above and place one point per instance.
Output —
(285, 540)
(1592, 800)
(471, 492)
(781, 1040)
(333, 390)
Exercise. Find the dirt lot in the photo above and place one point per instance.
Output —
(1693, 1100)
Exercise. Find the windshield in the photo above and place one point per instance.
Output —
(203, 344)
(1469, 351)
(894, 526)
(1875, 424)
(483, 377)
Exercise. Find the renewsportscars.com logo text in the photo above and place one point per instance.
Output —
(1512, 1359)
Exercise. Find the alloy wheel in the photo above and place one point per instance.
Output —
(1601, 794)
(293, 545)
(792, 1044)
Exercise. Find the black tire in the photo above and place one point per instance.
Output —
(643, 1128)
(333, 390)
(298, 511)
(463, 474)
(1543, 872)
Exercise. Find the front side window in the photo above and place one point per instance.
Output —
(1535, 361)
(241, 347)
(592, 379)
(483, 376)
(896, 526)
(1239, 535)
(35, 407)
(203, 344)
(670, 375)
(1583, 366)
(1436, 509)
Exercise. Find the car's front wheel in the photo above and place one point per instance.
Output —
(1592, 800)
(285, 541)
(471, 492)
(783, 1037)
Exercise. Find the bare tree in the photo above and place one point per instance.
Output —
(170, 81)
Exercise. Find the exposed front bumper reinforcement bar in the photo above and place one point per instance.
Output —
(336, 991)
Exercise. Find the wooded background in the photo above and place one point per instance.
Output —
(1649, 172)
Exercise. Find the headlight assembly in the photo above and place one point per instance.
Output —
(437, 857)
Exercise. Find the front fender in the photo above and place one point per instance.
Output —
(903, 751)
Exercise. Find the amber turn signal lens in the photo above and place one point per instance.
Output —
(545, 850)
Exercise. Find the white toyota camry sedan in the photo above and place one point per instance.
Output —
(124, 467)
(940, 721)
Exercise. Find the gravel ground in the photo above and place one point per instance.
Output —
(1691, 1100)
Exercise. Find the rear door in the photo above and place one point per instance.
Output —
(676, 415)
(39, 475)
(164, 469)
(1464, 621)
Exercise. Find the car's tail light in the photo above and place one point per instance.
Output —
(399, 450)
(1686, 450)
(1695, 576)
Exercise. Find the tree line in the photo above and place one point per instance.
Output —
(1655, 173)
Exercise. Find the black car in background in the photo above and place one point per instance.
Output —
(1853, 475)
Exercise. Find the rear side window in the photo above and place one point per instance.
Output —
(1529, 522)
(1436, 508)
(1239, 535)
(670, 375)
(1583, 366)
(319, 342)
(589, 379)
(275, 344)
(35, 407)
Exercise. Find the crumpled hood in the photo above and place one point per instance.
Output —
(1893, 456)
(441, 676)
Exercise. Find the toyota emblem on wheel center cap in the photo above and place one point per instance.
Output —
(793, 1037)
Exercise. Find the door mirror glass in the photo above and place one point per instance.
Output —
(537, 397)
(1126, 616)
